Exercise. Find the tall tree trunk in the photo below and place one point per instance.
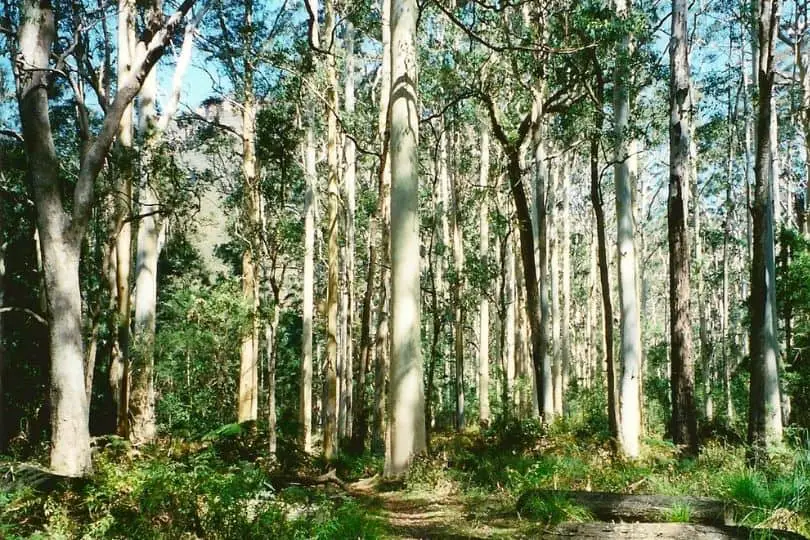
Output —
(630, 388)
(511, 147)
(122, 233)
(270, 333)
(70, 437)
(143, 420)
(330, 429)
(142, 397)
(383, 350)
(360, 409)
(554, 268)
(305, 399)
(604, 280)
(764, 412)
(509, 331)
(544, 377)
(483, 306)
(407, 393)
(349, 180)
(458, 302)
(565, 248)
(684, 415)
(249, 352)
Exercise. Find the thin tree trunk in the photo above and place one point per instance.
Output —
(509, 330)
(249, 360)
(330, 429)
(270, 333)
(458, 303)
(305, 399)
(122, 233)
(604, 279)
(684, 416)
(554, 267)
(360, 409)
(349, 182)
(483, 306)
(407, 428)
(764, 413)
(544, 376)
(565, 248)
(378, 440)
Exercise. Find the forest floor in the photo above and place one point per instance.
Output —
(443, 514)
(513, 480)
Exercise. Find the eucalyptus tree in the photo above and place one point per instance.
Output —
(684, 415)
(630, 349)
(61, 222)
(764, 410)
(151, 223)
(407, 420)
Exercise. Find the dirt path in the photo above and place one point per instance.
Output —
(447, 516)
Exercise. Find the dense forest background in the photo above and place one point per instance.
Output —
(251, 246)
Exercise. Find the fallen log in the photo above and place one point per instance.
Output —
(642, 508)
(14, 476)
(659, 531)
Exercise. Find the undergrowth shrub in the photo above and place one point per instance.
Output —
(198, 494)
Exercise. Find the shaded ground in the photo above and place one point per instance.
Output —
(444, 515)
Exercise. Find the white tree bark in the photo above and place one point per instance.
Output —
(143, 428)
(483, 306)
(630, 351)
(406, 387)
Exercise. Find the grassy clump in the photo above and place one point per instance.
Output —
(552, 509)
(679, 513)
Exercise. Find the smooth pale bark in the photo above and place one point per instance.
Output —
(270, 333)
(122, 227)
(349, 180)
(330, 434)
(407, 422)
(545, 381)
(142, 403)
(565, 285)
(383, 350)
(630, 350)
(458, 303)
(344, 365)
(764, 409)
(151, 230)
(248, 401)
(483, 305)
(305, 399)
(682, 384)
(604, 280)
(554, 290)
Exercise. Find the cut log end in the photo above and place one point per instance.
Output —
(659, 531)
